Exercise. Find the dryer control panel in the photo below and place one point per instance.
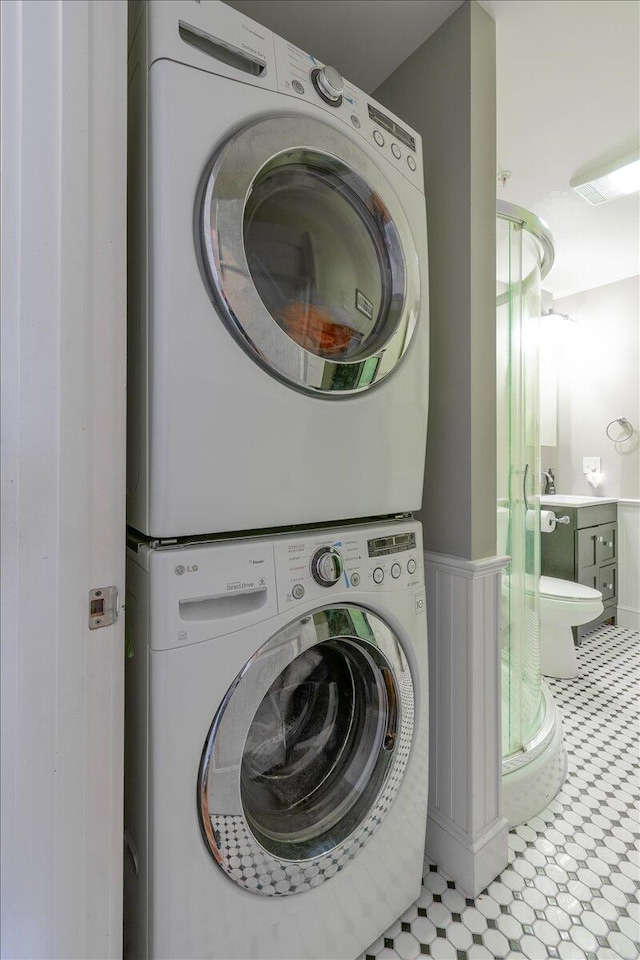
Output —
(216, 38)
(378, 559)
(302, 76)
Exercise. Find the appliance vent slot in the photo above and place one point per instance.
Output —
(223, 52)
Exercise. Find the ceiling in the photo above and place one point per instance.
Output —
(568, 99)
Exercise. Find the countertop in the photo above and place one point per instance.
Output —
(571, 500)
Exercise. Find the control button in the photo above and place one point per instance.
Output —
(297, 591)
(396, 570)
(329, 85)
(326, 566)
(355, 579)
(419, 603)
(395, 150)
(355, 121)
(411, 566)
(379, 139)
(411, 163)
(297, 86)
(378, 575)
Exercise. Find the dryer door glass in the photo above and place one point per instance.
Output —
(308, 256)
(305, 756)
(320, 259)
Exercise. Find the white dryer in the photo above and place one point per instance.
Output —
(278, 285)
(277, 743)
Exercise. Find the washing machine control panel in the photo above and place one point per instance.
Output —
(321, 564)
(301, 76)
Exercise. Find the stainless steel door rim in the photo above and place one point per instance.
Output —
(270, 152)
(307, 751)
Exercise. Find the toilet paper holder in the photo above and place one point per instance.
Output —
(544, 522)
(548, 521)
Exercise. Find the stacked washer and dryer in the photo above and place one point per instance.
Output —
(276, 724)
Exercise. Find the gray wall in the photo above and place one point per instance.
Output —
(446, 91)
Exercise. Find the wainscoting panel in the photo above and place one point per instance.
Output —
(629, 564)
(466, 833)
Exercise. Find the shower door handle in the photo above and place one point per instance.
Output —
(524, 486)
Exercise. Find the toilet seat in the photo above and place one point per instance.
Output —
(567, 590)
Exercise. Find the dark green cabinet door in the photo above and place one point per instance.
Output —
(608, 582)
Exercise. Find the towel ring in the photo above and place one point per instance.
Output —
(625, 424)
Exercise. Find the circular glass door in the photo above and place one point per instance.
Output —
(307, 751)
(308, 256)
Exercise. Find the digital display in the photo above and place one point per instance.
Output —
(392, 127)
(382, 546)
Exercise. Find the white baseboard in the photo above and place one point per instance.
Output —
(628, 617)
(472, 863)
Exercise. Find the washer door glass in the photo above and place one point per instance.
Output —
(308, 256)
(307, 752)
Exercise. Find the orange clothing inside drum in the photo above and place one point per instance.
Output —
(314, 330)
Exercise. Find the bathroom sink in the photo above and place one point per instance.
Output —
(573, 500)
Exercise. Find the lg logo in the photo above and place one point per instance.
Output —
(180, 569)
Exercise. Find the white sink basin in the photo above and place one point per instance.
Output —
(573, 500)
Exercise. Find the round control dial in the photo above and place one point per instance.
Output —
(326, 566)
(329, 85)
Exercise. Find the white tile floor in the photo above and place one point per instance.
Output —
(571, 886)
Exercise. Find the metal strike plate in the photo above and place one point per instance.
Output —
(103, 607)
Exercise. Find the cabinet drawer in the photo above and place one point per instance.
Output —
(608, 582)
(595, 514)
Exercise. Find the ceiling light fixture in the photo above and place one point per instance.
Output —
(609, 181)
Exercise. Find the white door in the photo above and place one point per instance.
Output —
(63, 484)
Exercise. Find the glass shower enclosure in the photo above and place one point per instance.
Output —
(524, 256)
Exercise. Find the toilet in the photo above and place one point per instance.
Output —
(563, 604)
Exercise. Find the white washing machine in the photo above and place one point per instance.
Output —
(278, 285)
(277, 743)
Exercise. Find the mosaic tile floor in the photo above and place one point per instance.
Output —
(571, 887)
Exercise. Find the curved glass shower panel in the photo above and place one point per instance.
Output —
(520, 256)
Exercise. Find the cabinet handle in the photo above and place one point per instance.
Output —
(610, 543)
(608, 586)
(600, 539)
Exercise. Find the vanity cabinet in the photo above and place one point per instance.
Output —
(585, 550)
